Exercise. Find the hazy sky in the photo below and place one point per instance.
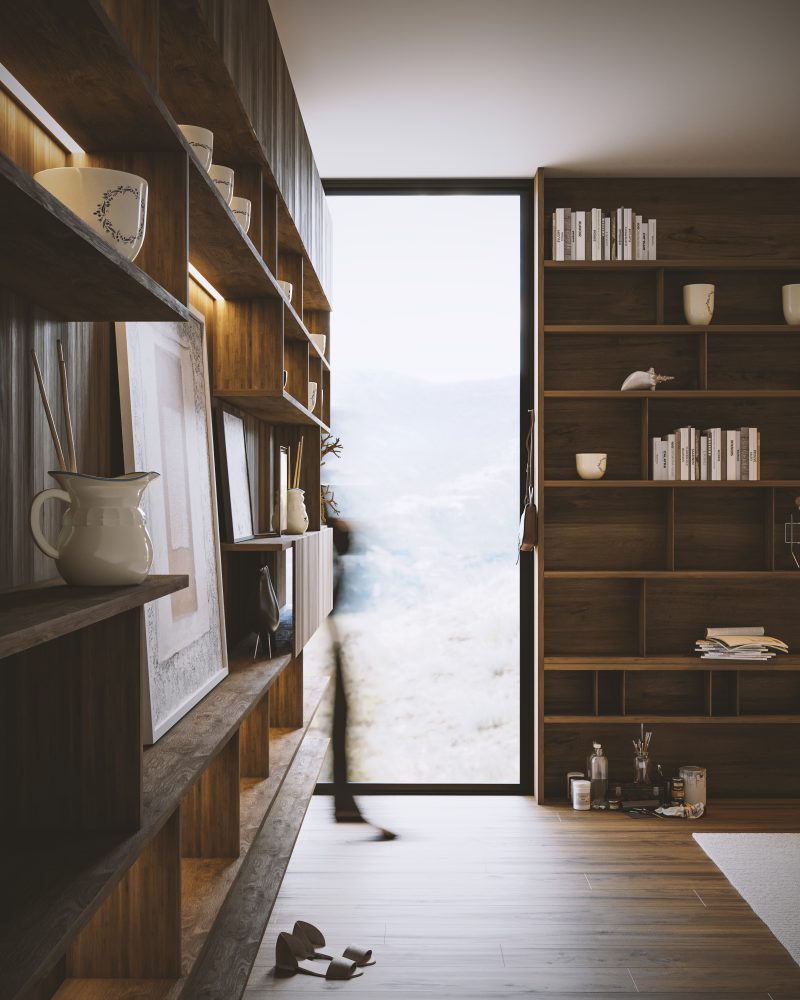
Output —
(426, 285)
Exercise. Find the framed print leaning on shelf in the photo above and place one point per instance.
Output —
(234, 476)
(166, 428)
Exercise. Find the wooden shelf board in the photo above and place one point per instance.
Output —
(673, 394)
(268, 543)
(72, 60)
(206, 882)
(637, 720)
(34, 615)
(691, 264)
(51, 890)
(784, 575)
(787, 662)
(679, 484)
(273, 407)
(669, 328)
(114, 989)
(244, 914)
(295, 329)
(87, 279)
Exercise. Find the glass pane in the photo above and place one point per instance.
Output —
(425, 392)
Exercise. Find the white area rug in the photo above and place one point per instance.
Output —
(764, 868)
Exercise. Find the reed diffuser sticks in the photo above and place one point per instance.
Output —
(48, 412)
(62, 369)
(70, 464)
(298, 464)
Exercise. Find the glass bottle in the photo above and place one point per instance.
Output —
(598, 775)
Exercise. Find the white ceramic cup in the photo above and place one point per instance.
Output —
(312, 395)
(112, 202)
(581, 794)
(791, 304)
(320, 341)
(698, 304)
(241, 208)
(287, 288)
(223, 178)
(202, 142)
(591, 464)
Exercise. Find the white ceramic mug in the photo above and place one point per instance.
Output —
(312, 395)
(223, 178)
(112, 202)
(202, 142)
(591, 464)
(791, 304)
(241, 208)
(287, 288)
(581, 794)
(320, 342)
(698, 304)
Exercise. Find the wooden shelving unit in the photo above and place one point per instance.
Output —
(629, 570)
(128, 871)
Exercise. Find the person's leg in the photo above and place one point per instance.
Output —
(344, 805)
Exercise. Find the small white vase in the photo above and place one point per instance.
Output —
(296, 514)
(591, 464)
(791, 304)
(698, 304)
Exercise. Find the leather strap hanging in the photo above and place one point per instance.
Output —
(529, 522)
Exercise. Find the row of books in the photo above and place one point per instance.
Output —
(595, 235)
(739, 643)
(713, 454)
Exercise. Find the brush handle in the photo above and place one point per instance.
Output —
(48, 413)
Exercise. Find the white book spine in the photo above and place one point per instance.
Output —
(752, 454)
(738, 453)
(618, 248)
(644, 246)
(572, 243)
(607, 237)
(627, 245)
(693, 456)
(671, 471)
(704, 457)
(651, 239)
(637, 237)
(654, 456)
(664, 460)
(560, 234)
(596, 236)
(717, 454)
(685, 452)
(744, 453)
(580, 236)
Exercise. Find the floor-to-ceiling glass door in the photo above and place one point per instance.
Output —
(426, 353)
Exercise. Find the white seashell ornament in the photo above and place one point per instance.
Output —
(645, 380)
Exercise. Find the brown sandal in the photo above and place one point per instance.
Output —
(289, 958)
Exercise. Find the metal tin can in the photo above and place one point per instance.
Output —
(694, 783)
(678, 792)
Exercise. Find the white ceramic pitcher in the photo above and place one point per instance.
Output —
(103, 539)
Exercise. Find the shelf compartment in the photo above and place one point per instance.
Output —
(618, 298)
(87, 279)
(579, 424)
(734, 363)
(269, 543)
(788, 662)
(613, 629)
(631, 524)
(570, 693)
(751, 295)
(769, 693)
(604, 363)
(34, 615)
(274, 408)
(736, 535)
(668, 693)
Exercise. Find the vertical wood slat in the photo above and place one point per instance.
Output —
(254, 742)
(137, 25)
(248, 346)
(73, 759)
(210, 811)
(286, 696)
(136, 934)
(539, 554)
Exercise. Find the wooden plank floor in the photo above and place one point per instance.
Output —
(498, 897)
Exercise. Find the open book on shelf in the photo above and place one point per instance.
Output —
(739, 647)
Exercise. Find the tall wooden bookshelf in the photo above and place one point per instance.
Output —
(629, 571)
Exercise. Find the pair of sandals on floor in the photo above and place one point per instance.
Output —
(297, 952)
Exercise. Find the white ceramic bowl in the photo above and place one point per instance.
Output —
(112, 202)
(241, 208)
(698, 304)
(312, 395)
(791, 304)
(223, 178)
(287, 288)
(320, 341)
(202, 142)
(591, 464)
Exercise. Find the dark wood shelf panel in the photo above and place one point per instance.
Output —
(206, 883)
(113, 989)
(691, 264)
(245, 913)
(52, 889)
(86, 278)
(635, 329)
(295, 329)
(673, 484)
(637, 720)
(71, 58)
(273, 407)
(34, 615)
(786, 662)
(754, 576)
(673, 394)
(267, 543)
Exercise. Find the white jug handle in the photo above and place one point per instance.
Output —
(36, 520)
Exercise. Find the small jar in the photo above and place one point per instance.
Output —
(581, 794)
(614, 805)
(678, 792)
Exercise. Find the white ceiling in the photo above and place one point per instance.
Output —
(497, 88)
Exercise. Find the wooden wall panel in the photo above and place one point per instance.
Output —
(313, 584)
(286, 696)
(210, 812)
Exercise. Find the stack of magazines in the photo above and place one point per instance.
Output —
(739, 643)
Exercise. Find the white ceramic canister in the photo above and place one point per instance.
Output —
(698, 304)
(296, 514)
(694, 783)
(581, 794)
(572, 776)
(791, 304)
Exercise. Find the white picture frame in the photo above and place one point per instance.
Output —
(166, 428)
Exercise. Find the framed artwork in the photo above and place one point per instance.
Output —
(234, 478)
(166, 427)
